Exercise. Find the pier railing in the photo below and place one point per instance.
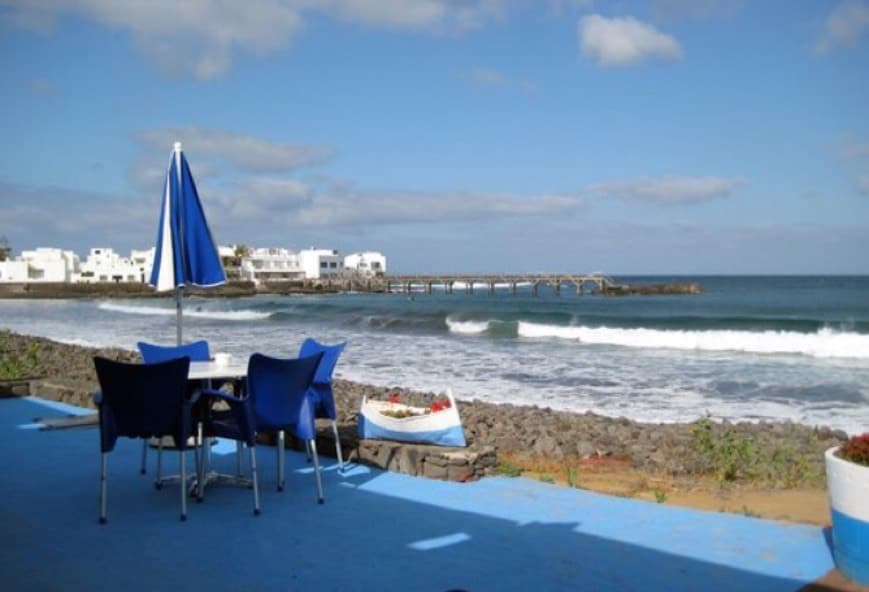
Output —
(581, 283)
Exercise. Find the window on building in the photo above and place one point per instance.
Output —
(333, 265)
(323, 265)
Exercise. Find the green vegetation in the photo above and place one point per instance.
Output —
(660, 496)
(14, 365)
(732, 455)
(5, 249)
(572, 477)
(507, 469)
(547, 478)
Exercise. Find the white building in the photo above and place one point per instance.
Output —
(366, 263)
(319, 263)
(44, 264)
(224, 251)
(271, 264)
(143, 261)
(104, 265)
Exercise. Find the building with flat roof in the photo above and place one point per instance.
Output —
(367, 263)
(43, 264)
(319, 263)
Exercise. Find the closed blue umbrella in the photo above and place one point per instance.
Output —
(185, 254)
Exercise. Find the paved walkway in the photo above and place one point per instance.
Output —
(377, 531)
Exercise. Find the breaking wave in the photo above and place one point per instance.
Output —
(824, 343)
(222, 315)
(467, 327)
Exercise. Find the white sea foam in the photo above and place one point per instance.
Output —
(223, 315)
(467, 327)
(825, 343)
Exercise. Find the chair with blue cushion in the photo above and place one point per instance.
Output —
(321, 390)
(276, 398)
(152, 353)
(143, 401)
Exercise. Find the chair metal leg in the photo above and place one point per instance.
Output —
(238, 446)
(144, 455)
(338, 446)
(103, 487)
(317, 472)
(280, 460)
(196, 443)
(158, 482)
(200, 464)
(256, 506)
(307, 451)
(183, 484)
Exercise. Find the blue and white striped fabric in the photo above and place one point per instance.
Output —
(185, 254)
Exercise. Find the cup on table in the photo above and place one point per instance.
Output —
(222, 358)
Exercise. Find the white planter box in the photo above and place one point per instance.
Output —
(443, 428)
(848, 485)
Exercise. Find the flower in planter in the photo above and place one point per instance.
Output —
(440, 405)
(856, 450)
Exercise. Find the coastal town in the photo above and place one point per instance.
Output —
(242, 263)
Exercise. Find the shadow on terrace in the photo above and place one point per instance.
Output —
(376, 531)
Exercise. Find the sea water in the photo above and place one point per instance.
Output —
(747, 348)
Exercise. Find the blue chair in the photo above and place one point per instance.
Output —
(321, 390)
(277, 400)
(237, 423)
(151, 353)
(143, 401)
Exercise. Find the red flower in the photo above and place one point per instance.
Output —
(395, 399)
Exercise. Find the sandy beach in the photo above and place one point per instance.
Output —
(773, 470)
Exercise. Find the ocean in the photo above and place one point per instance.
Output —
(748, 348)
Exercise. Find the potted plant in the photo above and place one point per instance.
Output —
(848, 485)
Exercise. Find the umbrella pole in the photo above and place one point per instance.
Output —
(178, 295)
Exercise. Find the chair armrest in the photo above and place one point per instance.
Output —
(214, 394)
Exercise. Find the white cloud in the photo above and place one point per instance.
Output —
(298, 204)
(411, 14)
(494, 79)
(844, 26)
(669, 190)
(201, 36)
(623, 41)
(246, 152)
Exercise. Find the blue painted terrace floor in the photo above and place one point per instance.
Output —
(376, 531)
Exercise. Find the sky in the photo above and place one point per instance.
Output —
(625, 137)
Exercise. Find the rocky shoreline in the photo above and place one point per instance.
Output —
(780, 454)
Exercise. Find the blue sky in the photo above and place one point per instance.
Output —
(664, 136)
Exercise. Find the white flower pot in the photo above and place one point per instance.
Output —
(848, 485)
